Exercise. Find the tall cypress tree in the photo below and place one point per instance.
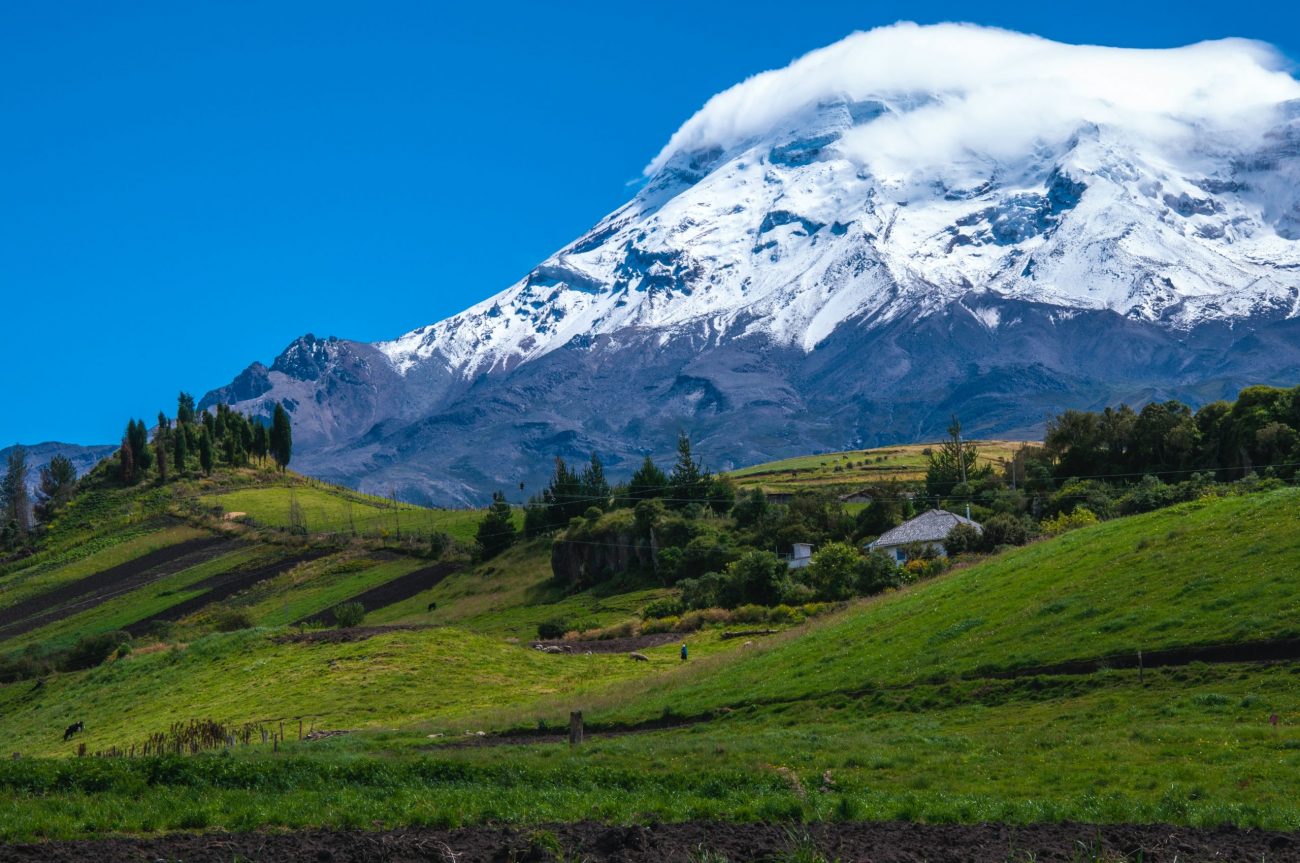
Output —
(648, 481)
(180, 448)
(496, 532)
(126, 462)
(689, 482)
(205, 451)
(184, 409)
(595, 488)
(281, 437)
(13, 494)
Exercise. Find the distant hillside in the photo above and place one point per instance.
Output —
(83, 458)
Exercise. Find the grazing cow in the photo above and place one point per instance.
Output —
(73, 729)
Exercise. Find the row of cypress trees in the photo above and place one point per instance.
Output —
(223, 436)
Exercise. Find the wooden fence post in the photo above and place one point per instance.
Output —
(575, 728)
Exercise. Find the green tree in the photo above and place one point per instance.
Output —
(758, 577)
(180, 448)
(58, 481)
(878, 574)
(595, 488)
(834, 571)
(281, 440)
(206, 458)
(954, 462)
(184, 409)
(496, 531)
(648, 481)
(13, 495)
(689, 482)
(137, 436)
(536, 518)
(261, 441)
(565, 497)
(126, 462)
(751, 509)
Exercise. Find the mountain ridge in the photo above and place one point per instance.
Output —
(806, 286)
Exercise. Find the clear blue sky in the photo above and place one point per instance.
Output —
(186, 187)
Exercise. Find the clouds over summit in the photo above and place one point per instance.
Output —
(959, 92)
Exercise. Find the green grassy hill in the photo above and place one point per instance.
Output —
(893, 706)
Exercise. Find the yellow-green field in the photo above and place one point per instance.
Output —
(843, 471)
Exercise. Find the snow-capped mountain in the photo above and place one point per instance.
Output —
(911, 221)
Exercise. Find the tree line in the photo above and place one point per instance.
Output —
(192, 442)
(576, 492)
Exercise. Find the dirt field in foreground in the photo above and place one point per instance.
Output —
(668, 843)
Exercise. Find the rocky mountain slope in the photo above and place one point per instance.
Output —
(911, 222)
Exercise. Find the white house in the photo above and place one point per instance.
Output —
(802, 555)
(929, 528)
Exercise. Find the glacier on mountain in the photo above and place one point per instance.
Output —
(901, 168)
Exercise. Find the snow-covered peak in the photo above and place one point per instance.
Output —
(912, 169)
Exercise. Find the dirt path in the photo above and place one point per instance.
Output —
(86, 593)
(613, 645)
(887, 842)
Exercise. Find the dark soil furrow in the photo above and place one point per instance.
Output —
(220, 587)
(400, 588)
(881, 842)
(88, 592)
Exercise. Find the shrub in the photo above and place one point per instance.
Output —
(231, 620)
(702, 592)
(349, 614)
(749, 614)
(439, 543)
(963, 538)
(552, 629)
(693, 620)
(879, 573)
(1080, 517)
(669, 606)
(784, 614)
(660, 624)
(1003, 529)
(92, 650)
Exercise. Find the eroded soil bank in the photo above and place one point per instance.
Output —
(667, 843)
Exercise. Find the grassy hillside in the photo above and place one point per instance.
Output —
(844, 471)
(1208, 572)
(884, 709)
(330, 509)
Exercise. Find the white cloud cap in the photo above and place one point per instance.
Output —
(960, 90)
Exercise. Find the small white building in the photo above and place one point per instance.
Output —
(802, 555)
(929, 528)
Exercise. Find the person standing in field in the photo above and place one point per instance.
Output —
(683, 652)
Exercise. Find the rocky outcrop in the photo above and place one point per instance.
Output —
(589, 555)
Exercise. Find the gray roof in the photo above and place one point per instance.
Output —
(930, 526)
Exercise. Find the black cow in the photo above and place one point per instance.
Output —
(73, 729)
